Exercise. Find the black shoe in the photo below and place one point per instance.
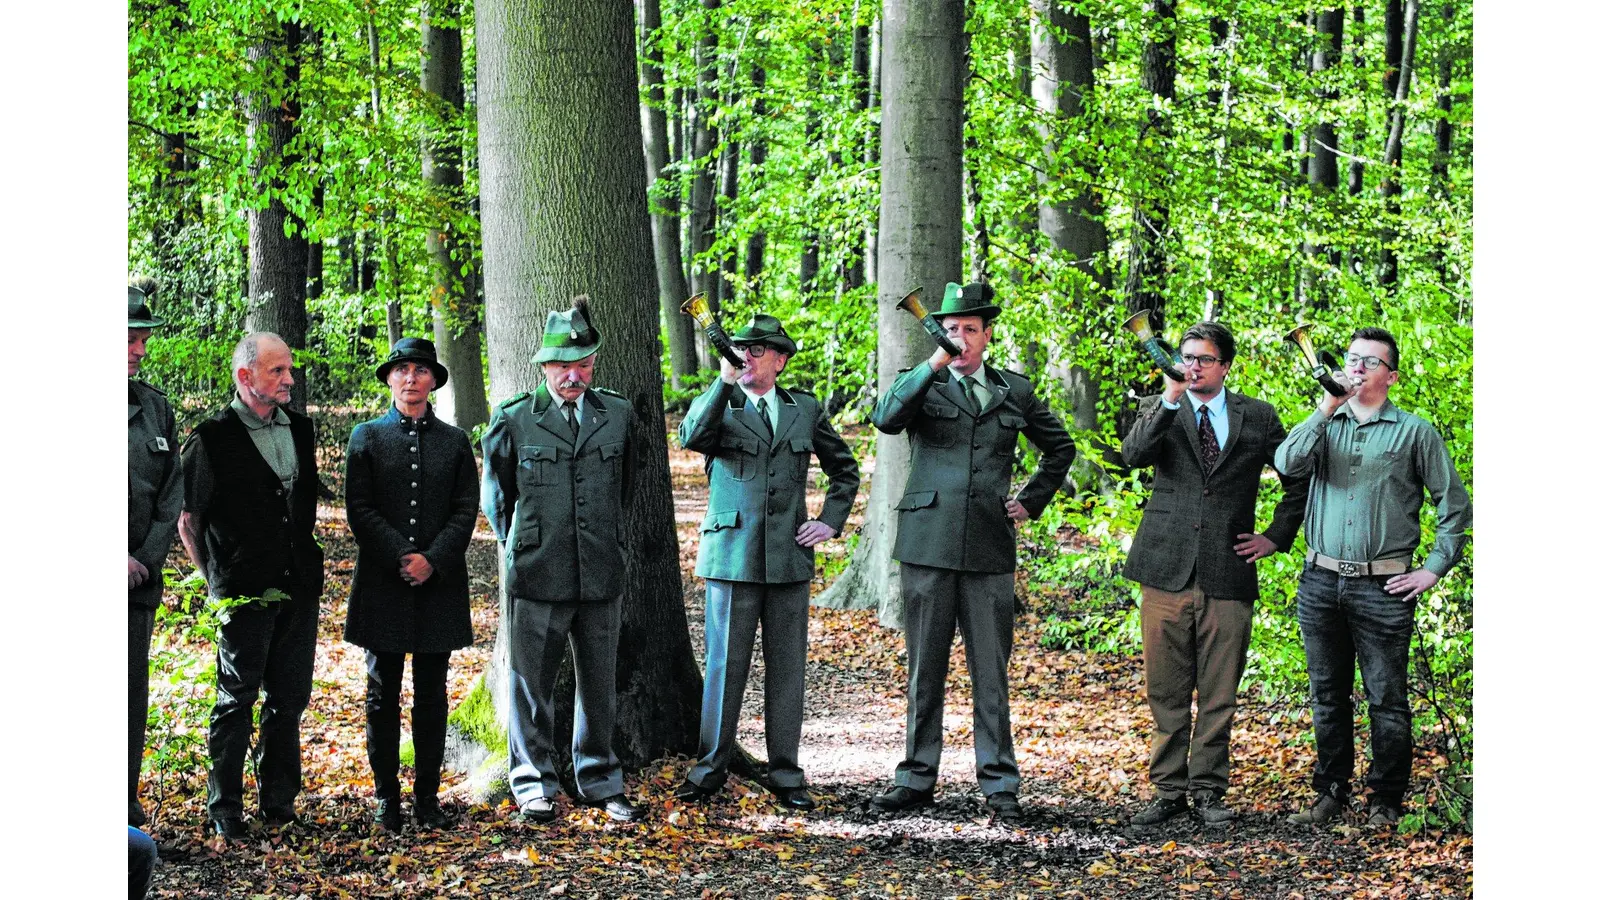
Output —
(1327, 808)
(1160, 810)
(1208, 806)
(281, 817)
(539, 809)
(429, 814)
(1004, 805)
(618, 808)
(388, 815)
(689, 792)
(1382, 814)
(230, 827)
(795, 797)
(901, 798)
(136, 816)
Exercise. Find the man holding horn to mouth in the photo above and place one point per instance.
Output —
(956, 541)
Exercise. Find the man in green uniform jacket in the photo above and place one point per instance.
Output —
(756, 550)
(558, 468)
(155, 497)
(957, 540)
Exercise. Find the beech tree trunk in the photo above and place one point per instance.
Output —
(463, 401)
(559, 138)
(664, 222)
(1323, 171)
(1389, 186)
(1147, 252)
(702, 190)
(277, 261)
(919, 243)
(755, 249)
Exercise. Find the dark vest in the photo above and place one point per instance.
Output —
(256, 538)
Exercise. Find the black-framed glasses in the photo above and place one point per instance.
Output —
(1204, 362)
(1370, 362)
(755, 351)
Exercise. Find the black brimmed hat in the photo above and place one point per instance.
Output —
(416, 350)
(765, 329)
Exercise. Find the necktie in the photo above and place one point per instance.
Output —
(1209, 448)
(766, 420)
(570, 410)
(970, 388)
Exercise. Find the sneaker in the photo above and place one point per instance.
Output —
(1326, 809)
(1208, 806)
(1382, 814)
(1160, 810)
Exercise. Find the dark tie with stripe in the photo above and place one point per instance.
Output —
(766, 420)
(1209, 448)
(570, 410)
(970, 388)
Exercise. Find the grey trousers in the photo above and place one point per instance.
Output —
(1193, 645)
(540, 634)
(733, 609)
(984, 605)
(141, 621)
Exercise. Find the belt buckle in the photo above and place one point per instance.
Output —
(1349, 569)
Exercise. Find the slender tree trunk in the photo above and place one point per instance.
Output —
(727, 195)
(559, 138)
(755, 250)
(277, 260)
(1323, 174)
(1358, 168)
(873, 152)
(1063, 64)
(1147, 254)
(463, 401)
(664, 207)
(855, 270)
(919, 228)
(1389, 186)
(702, 191)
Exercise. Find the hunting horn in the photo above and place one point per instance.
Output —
(697, 307)
(1156, 345)
(1323, 364)
(912, 303)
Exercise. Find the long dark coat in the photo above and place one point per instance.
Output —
(410, 486)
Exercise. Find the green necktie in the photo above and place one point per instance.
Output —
(970, 388)
(761, 410)
(570, 409)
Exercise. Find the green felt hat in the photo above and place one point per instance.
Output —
(765, 329)
(967, 300)
(568, 334)
(139, 312)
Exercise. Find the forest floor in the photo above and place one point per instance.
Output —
(1081, 731)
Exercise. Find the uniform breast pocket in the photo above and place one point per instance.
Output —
(1160, 502)
(800, 451)
(536, 465)
(736, 455)
(611, 457)
(940, 425)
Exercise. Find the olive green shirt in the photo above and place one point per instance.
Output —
(272, 439)
(1367, 480)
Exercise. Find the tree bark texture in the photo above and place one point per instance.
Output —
(702, 189)
(755, 248)
(1323, 171)
(1147, 251)
(463, 401)
(1389, 186)
(664, 208)
(277, 261)
(919, 243)
(559, 142)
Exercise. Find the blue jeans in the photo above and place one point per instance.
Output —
(1345, 622)
(141, 862)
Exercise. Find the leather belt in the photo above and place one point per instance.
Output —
(1359, 569)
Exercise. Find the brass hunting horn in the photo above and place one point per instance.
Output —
(1156, 345)
(697, 307)
(1323, 364)
(912, 303)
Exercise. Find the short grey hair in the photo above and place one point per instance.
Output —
(248, 350)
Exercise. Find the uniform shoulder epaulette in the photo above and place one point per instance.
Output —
(608, 392)
(1022, 375)
(514, 399)
(905, 370)
(803, 392)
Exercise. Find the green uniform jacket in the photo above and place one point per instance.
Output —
(556, 504)
(155, 486)
(758, 485)
(953, 512)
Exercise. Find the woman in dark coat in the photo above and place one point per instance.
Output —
(411, 491)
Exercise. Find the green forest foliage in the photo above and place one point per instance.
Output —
(1245, 228)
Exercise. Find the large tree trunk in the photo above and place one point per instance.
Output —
(1147, 252)
(1063, 67)
(1389, 186)
(462, 401)
(559, 138)
(664, 207)
(919, 229)
(277, 261)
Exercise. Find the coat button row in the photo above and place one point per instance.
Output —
(413, 503)
(413, 467)
(412, 448)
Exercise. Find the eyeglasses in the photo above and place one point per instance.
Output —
(1203, 362)
(1370, 362)
(755, 351)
